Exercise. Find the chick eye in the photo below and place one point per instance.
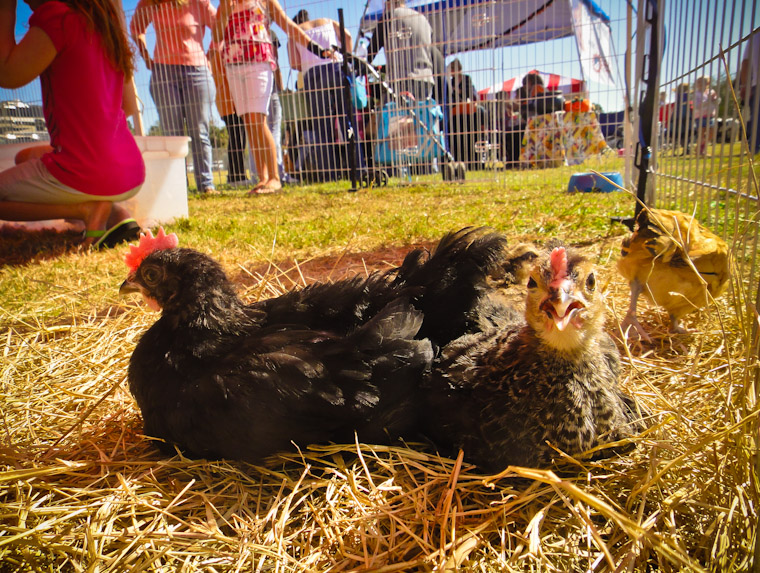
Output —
(532, 283)
(590, 281)
(151, 275)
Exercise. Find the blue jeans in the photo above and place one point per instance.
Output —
(184, 96)
(274, 121)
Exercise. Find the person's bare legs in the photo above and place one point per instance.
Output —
(264, 151)
(95, 214)
(32, 153)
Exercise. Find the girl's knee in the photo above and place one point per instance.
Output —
(31, 153)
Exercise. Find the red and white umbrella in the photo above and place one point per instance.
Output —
(552, 82)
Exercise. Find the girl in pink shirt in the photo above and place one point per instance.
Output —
(80, 52)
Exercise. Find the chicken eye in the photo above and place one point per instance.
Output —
(532, 283)
(151, 275)
(590, 281)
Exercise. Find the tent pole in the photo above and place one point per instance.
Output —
(627, 121)
(645, 149)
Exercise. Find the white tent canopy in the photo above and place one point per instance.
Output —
(466, 25)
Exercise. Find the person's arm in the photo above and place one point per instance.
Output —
(209, 16)
(469, 88)
(294, 56)
(278, 80)
(21, 63)
(129, 98)
(137, 29)
(221, 22)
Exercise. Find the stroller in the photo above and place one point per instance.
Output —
(408, 131)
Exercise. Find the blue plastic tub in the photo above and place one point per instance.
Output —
(593, 183)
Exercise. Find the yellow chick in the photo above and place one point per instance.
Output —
(655, 260)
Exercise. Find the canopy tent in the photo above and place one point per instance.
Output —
(466, 25)
(554, 82)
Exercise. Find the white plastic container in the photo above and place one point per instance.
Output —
(163, 197)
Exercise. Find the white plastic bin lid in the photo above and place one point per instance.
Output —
(176, 146)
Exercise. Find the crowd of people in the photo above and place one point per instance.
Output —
(690, 122)
(81, 51)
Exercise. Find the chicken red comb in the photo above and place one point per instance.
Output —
(559, 265)
(148, 244)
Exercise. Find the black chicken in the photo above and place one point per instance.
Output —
(447, 286)
(218, 378)
(549, 379)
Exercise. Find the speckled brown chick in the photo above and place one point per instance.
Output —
(545, 380)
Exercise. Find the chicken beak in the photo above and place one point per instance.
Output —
(563, 308)
(128, 287)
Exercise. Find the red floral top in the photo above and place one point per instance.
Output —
(246, 36)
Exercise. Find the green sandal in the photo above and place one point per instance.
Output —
(126, 230)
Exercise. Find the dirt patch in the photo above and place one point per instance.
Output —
(329, 268)
(20, 246)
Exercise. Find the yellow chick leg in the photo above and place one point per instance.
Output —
(631, 326)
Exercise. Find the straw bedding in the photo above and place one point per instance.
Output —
(81, 489)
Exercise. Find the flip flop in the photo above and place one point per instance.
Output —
(126, 230)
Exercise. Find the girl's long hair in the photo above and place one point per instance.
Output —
(107, 19)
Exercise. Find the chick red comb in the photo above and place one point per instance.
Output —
(559, 265)
(148, 244)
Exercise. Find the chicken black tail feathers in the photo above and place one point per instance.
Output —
(448, 285)
(398, 362)
(396, 325)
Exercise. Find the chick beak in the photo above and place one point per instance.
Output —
(563, 308)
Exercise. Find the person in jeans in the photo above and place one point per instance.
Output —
(705, 107)
(181, 84)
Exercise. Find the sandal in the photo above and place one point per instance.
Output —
(126, 230)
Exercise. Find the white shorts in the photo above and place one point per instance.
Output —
(250, 86)
(31, 182)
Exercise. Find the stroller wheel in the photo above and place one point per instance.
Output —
(448, 172)
(459, 171)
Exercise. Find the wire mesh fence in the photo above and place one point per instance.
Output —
(432, 84)
(436, 89)
(708, 110)
(441, 87)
